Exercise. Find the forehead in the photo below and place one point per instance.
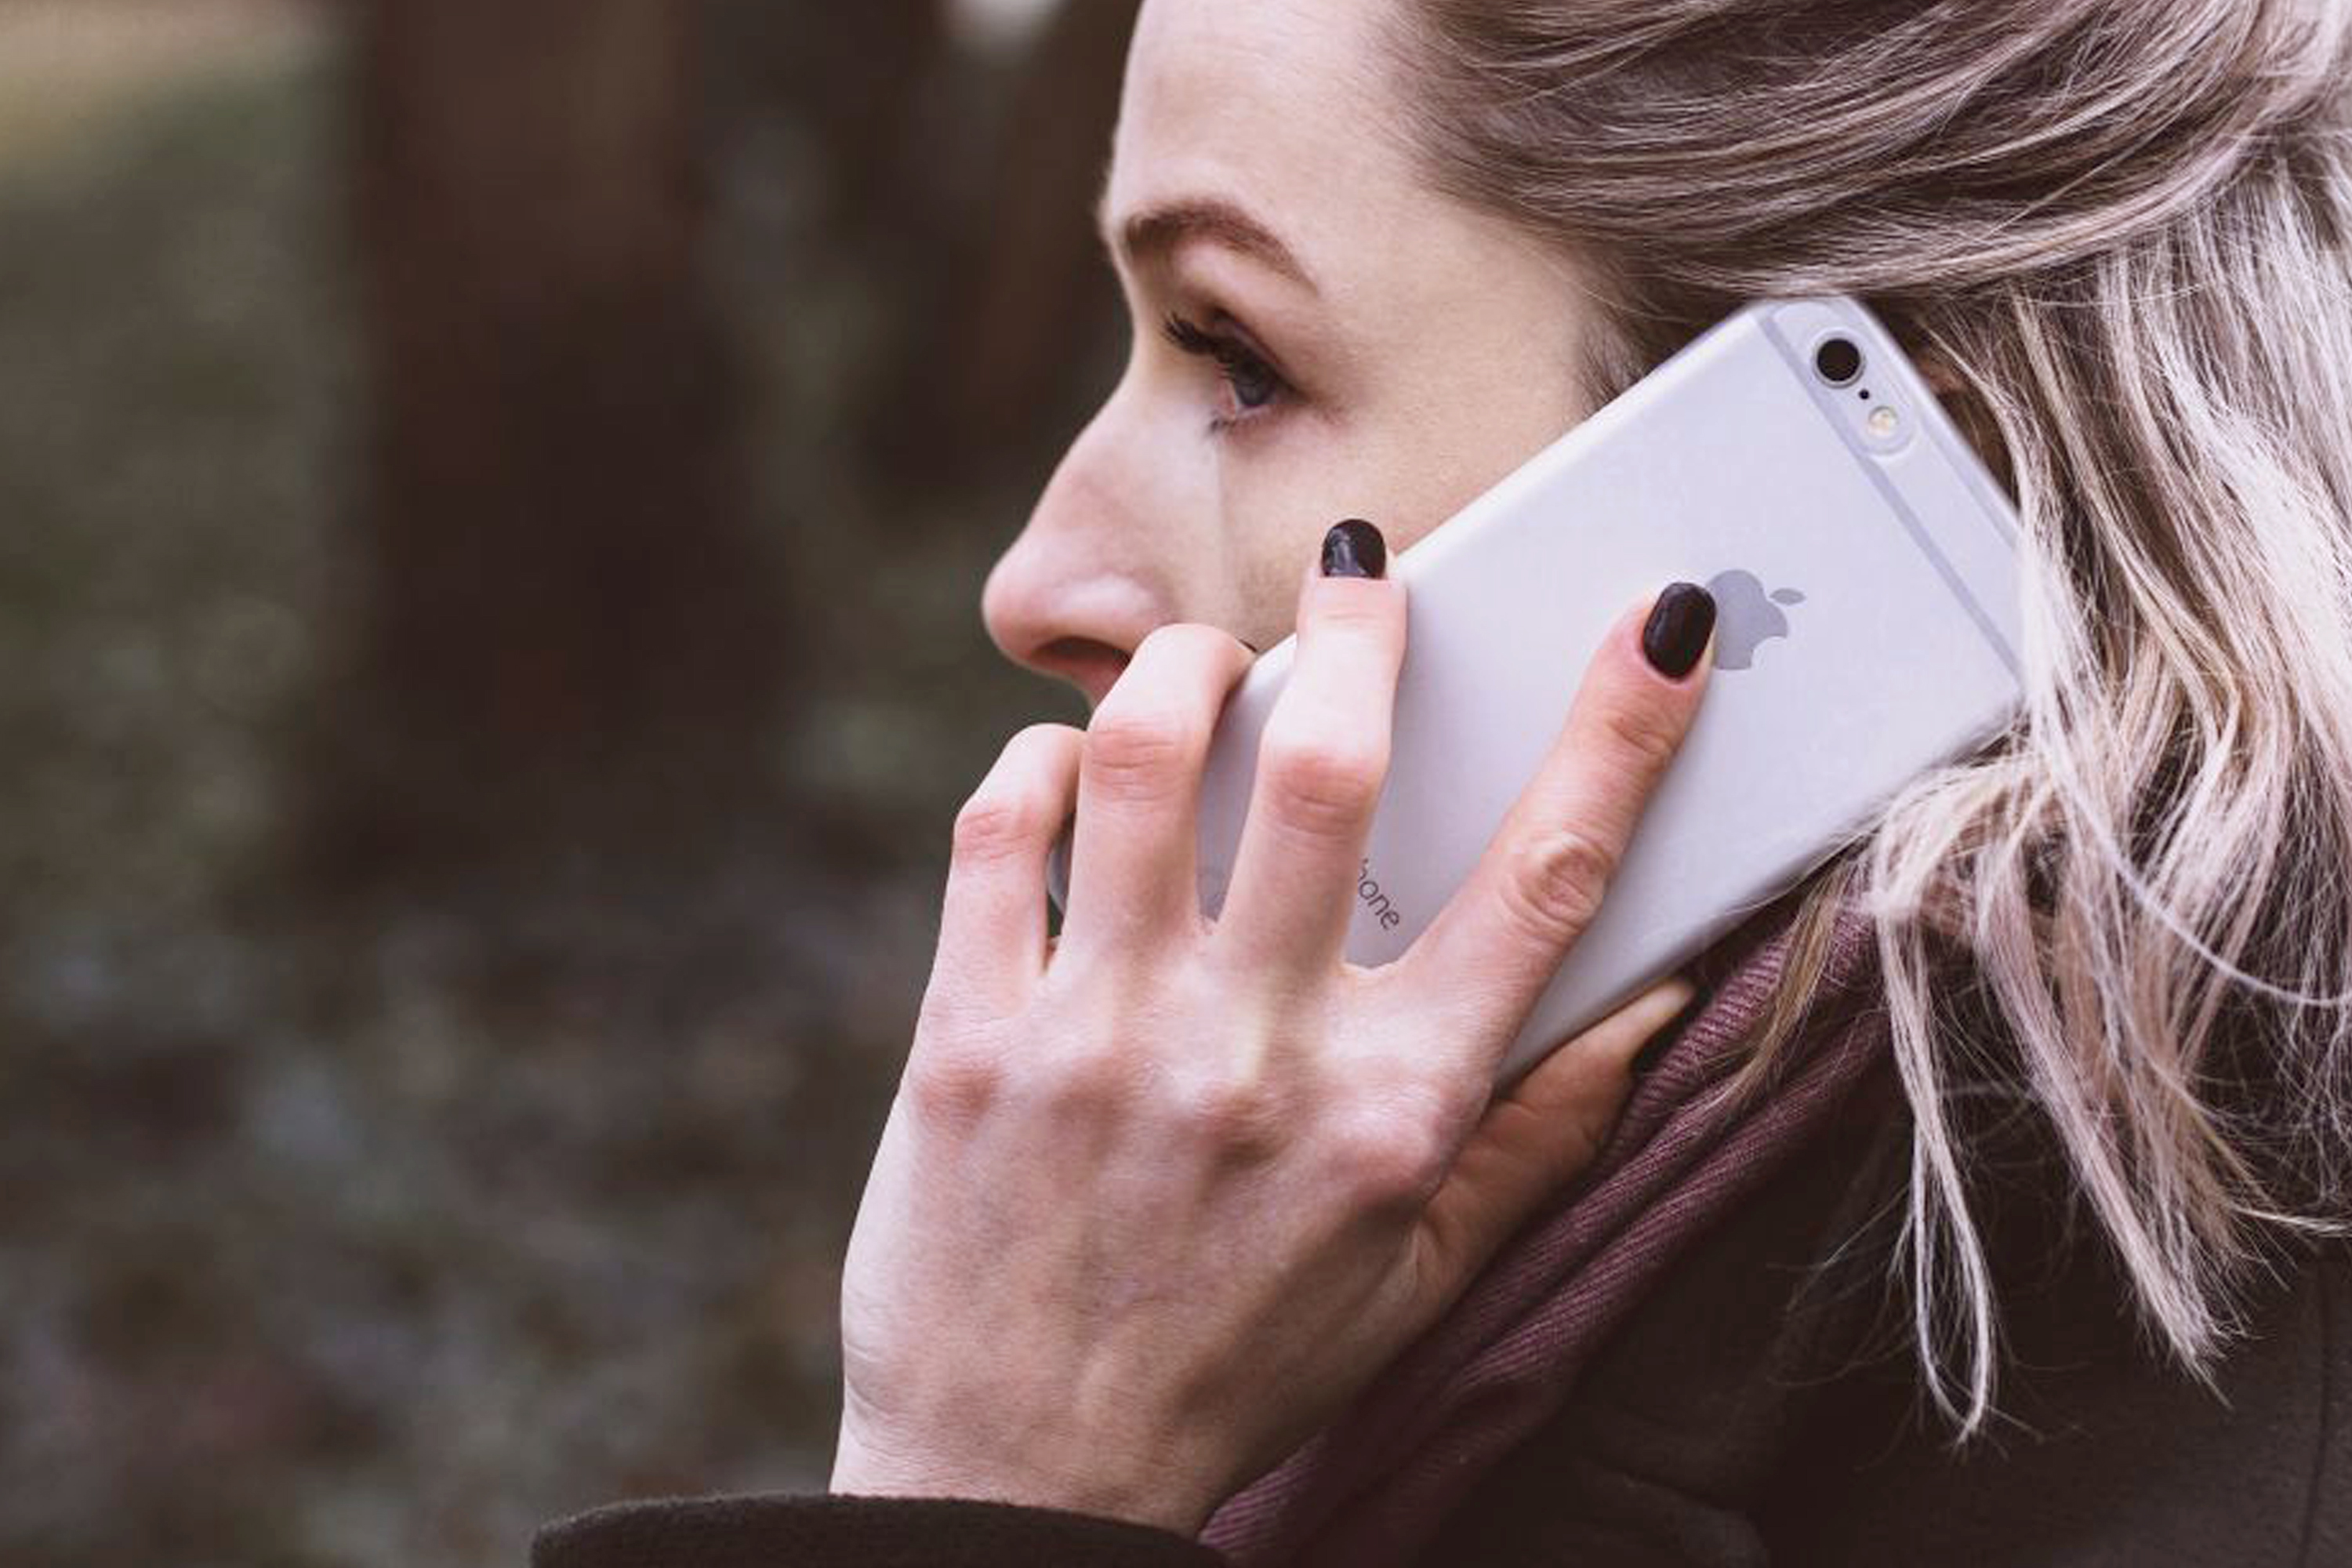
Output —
(1275, 104)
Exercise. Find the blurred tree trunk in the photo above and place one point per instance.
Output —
(861, 73)
(964, 182)
(1037, 284)
(565, 609)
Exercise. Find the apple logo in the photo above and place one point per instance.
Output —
(1747, 617)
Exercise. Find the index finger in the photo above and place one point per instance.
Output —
(1321, 760)
(1499, 940)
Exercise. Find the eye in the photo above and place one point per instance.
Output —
(1254, 384)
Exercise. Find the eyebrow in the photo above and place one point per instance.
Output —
(1155, 232)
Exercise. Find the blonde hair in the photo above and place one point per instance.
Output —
(2120, 230)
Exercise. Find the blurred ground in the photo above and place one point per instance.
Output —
(373, 1229)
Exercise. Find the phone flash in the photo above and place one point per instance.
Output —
(1884, 421)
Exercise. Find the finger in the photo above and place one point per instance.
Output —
(1321, 760)
(1495, 945)
(992, 935)
(1533, 1143)
(1136, 844)
(993, 913)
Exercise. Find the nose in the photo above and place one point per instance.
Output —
(1074, 593)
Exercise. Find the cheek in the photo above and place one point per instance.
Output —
(1463, 459)
(1278, 556)
(1277, 507)
(1447, 452)
(1406, 478)
(1407, 464)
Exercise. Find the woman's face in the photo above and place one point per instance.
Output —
(1317, 333)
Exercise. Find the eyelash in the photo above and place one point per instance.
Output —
(1235, 361)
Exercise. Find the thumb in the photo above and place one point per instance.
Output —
(1536, 1141)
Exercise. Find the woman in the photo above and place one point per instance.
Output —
(1164, 1211)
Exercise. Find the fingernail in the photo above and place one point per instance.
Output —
(1677, 631)
(1354, 548)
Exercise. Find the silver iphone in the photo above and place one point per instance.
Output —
(1864, 567)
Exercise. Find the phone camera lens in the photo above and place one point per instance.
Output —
(1838, 360)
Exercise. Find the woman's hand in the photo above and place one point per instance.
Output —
(1156, 1200)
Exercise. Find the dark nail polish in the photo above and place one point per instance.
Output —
(1354, 548)
(1678, 629)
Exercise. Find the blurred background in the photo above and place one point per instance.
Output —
(494, 499)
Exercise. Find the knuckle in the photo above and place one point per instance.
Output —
(1641, 733)
(1140, 753)
(1238, 1114)
(1319, 781)
(996, 823)
(1556, 882)
(1387, 1160)
(1020, 801)
(954, 1088)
